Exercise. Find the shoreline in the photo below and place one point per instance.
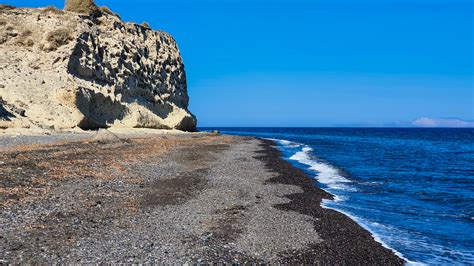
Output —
(375, 236)
(182, 198)
(339, 229)
(334, 197)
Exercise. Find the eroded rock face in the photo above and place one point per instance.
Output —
(68, 70)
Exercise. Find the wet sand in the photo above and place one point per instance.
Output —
(186, 198)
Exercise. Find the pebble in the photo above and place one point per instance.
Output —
(199, 228)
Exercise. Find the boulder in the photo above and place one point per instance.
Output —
(105, 136)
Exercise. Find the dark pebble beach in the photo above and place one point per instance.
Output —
(197, 198)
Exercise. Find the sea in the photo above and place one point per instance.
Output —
(412, 188)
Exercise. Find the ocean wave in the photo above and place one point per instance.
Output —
(331, 177)
(325, 173)
(339, 198)
(368, 226)
(403, 238)
(286, 143)
(422, 210)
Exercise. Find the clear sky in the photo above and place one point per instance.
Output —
(317, 62)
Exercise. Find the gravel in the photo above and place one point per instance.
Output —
(174, 199)
(9, 141)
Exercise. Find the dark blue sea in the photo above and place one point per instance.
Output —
(413, 189)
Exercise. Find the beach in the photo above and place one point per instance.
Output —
(195, 132)
(168, 198)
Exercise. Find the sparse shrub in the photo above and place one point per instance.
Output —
(107, 11)
(6, 7)
(52, 10)
(25, 42)
(3, 38)
(58, 38)
(3, 22)
(26, 33)
(146, 25)
(82, 6)
(28, 43)
(23, 39)
(10, 31)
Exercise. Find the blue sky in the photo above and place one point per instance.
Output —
(319, 62)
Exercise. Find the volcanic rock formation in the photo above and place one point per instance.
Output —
(85, 67)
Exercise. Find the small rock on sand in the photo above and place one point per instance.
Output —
(105, 136)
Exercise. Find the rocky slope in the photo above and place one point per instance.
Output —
(62, 70)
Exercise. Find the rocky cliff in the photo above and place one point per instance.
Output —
(61, 70)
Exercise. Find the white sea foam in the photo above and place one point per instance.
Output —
(286, 143)
(325, 173)
(374, 235)
(331, 177)
(339, 198)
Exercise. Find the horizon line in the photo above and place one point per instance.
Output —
(401, 127)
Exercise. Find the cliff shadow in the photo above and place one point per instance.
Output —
(4, 113)
(99, 111)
